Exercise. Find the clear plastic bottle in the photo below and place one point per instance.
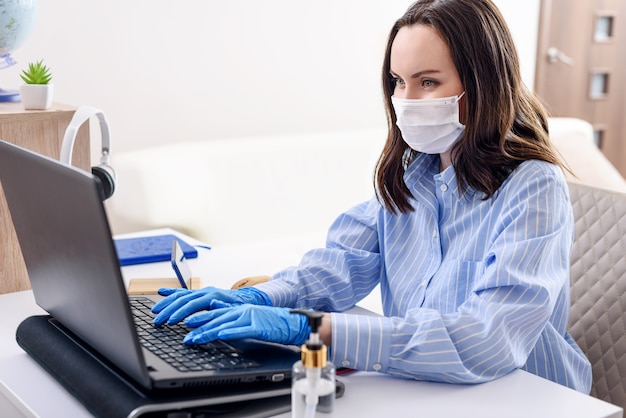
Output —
(313, 377)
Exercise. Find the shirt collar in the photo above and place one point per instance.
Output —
(424, 169)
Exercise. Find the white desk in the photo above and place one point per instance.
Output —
(27, 390)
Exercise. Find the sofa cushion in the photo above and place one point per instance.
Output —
(598, 287)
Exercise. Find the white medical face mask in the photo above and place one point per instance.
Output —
(430, 126)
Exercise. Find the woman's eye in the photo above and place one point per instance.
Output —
(397, 81)
(429, 83)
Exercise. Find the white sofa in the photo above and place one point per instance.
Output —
(266, 189)
(242, 190)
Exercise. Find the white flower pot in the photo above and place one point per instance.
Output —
(36, 96)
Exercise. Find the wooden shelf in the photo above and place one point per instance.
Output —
(41, 131)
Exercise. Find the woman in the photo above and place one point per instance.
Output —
(469, 236)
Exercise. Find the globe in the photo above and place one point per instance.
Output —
(17, 19)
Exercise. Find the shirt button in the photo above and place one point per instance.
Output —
(443, 187)
(377, 367)
(345, 363)
(434, 233)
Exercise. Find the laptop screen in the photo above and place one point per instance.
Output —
(69, 253)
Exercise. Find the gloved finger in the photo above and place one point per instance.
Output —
(170, 297)
(173, 294)
(237, 333)
(215, 318)
(190, 307)
(194, 337)
(166, 291)
(208, 332)
(220, 304)
(201, 318)
(176, 310)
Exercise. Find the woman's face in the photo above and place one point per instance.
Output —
(421, 65)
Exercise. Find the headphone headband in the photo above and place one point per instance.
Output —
(82, 114)
(104, 174)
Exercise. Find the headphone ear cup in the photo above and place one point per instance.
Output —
(106, 177)
(103, 173)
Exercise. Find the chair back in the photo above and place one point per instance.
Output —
(598, 287)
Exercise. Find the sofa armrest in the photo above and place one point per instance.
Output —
(573, 139)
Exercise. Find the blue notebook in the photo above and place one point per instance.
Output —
(150, 249)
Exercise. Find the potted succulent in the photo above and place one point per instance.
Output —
(37, 91)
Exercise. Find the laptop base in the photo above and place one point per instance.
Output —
(106, 393)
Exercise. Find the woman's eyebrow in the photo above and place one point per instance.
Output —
(417, 74)
(421, 73)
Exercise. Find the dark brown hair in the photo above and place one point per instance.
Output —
(505, 122)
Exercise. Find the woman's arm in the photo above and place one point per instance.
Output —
(336, 277)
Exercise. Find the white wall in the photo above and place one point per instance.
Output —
(167, 71)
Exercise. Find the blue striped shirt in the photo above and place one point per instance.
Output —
(471, 288)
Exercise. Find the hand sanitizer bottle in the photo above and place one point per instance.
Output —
(313, 377)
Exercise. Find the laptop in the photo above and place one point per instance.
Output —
(70, 256)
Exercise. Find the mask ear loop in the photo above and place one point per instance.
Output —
(458, 99)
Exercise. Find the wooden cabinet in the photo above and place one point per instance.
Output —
(41, 131)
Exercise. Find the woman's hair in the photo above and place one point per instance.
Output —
(505, 122)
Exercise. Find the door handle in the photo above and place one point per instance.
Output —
(555, 55)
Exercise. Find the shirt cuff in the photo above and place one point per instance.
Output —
(279, 291)
(360, 342)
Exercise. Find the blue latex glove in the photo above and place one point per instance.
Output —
(267, 323)
(180, 303)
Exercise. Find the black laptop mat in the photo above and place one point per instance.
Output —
(106, 393)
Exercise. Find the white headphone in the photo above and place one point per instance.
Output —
(104, 173)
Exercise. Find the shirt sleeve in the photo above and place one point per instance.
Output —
(510, 304)
(334, 278)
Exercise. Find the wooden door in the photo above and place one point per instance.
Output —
(581, 68)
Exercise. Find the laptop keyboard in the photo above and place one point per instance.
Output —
(167, 343)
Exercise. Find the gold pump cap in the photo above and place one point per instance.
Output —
(314, 357)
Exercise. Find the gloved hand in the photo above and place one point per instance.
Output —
(267, 323)
(180, 303)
